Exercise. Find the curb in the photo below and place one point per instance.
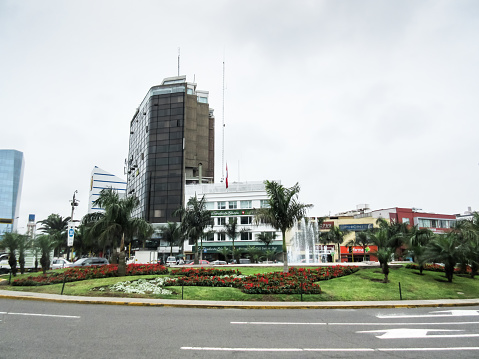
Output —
(227, 305)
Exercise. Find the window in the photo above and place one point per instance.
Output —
(221, 221)
(245, 204)
(158, 213)
(246, 220)
(221, 236)
(221, 205)
(405, 220)
(233, 205)
(264, 203)
(209, 205)
(246, 236)
(210, 236)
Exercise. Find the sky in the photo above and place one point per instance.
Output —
(361, 102)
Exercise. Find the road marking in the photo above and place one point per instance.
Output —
(325, 349)
(350, 324)
(404, 333)
(46, 315)
(452, 313)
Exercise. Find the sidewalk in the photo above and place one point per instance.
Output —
(57, 298)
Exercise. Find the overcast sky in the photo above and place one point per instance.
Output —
(359, 101)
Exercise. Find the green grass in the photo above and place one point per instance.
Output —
(362, 285)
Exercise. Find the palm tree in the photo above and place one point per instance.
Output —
(445, 248)
(335, 236)
(22, 247)
(266, 238)
(398, 233)
(56, 226)
(418, 240)
(231, 231)
(46, 244)
(224, 251)
(10, 243)
(116, 223)
(283, 211)
(194, 219)
(171, 233)
(362, 239)
(380, 237)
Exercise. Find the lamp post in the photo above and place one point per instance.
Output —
(71, 226)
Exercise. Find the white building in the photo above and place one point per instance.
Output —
(101, 179)
(238, 201)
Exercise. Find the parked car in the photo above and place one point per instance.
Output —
(92, 261)
(60, 263)
(171, 260)
(199, 262)
(219, 263)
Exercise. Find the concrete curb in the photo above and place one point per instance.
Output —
(235, 305)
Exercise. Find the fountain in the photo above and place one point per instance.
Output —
(303, 248)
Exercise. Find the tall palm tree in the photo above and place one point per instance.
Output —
(266, 238)
(171, 233)
(445, 248)
(335, 236)
(283, 211)
(10, 243)
(46, 244)
(116, 223)
(194, 219)
(56, 226)
(231, 231)
(381, 238)
(362, 239)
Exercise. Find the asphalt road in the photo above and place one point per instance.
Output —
(31, 329)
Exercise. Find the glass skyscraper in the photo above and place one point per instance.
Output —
(11, 179)
(171, 144)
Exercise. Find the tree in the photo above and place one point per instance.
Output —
(398, 233)
(380, 237)
(445, 248)
(284, 209)
(116, 223)
(336, 236)
(22, 247)
(10, 243)
(231, 231)
(418, 240)
(46, 244)
(194, 219)
(467, 232)
(225, 252)
(171, 233)
(56, 226)
(266, 238)
(362, 239)
(254, 253)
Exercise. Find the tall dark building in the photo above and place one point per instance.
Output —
(171, 143)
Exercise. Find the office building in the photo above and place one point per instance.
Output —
(171, 144)
(11, 179)
(100, 180)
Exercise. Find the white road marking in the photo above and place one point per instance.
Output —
(351, 324)
(46, 315)
(404, 333)
(451, 313)
(325, 349)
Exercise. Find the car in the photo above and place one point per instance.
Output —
(171, 260)
(219, 263)
(201, 262)
(92, 261)
(60, 263)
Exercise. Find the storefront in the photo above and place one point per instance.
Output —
(358, 253)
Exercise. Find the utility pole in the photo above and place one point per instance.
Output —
(71, 226)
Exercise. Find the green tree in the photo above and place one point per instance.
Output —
(380, 237)
(336, 236)
(171, 233)
(56, 226)
(225, 252)
(194, 219)
(231, 231)
(266, 238)
(46, 244)
(284, 209)
(418, 240)
(116, 223)
(23, 244)
(445, 248)
(10, 242)
(254, 253)
(360, 239)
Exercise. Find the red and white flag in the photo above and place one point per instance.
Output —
(226, 175)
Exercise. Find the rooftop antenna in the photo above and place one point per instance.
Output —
(223, 129)
(178, 61)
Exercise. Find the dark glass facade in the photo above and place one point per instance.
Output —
(170, 135)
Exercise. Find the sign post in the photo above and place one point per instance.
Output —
(71, 234)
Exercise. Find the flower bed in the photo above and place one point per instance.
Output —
(436, 268)
(77, 274)
(191, 272)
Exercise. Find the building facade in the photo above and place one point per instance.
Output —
(11, 179)
(100, 180)
(171, 144)
(239, 202)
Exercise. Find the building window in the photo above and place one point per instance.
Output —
(158, 213)
(246, 236)
(264, 203)
(210, 236)
(405, 220)
(221, 221)
(245, 204)
(209, 205)
(221, 236)
(221, 205)
(233, 205)
(246, 220)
